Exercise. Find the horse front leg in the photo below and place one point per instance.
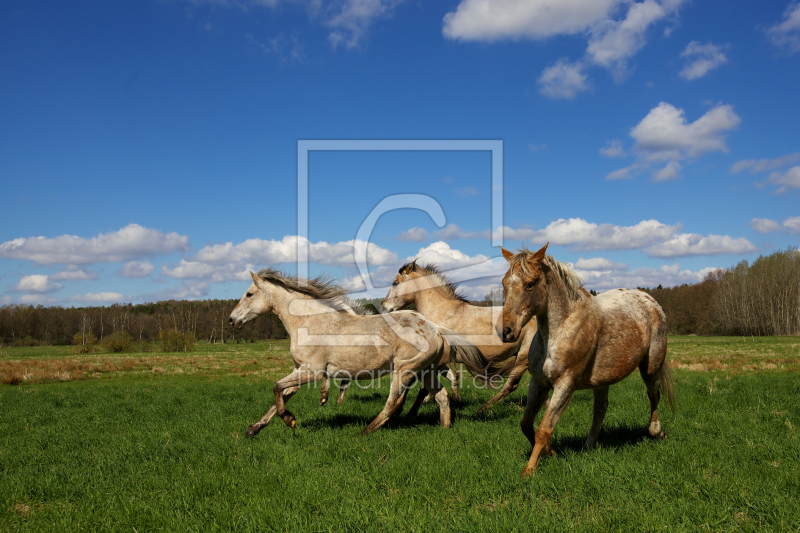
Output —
(323, 393)
(562, 394)
(537, 397)
(454, 378)
(598, 414)
(401, 381)
(253, 429)
(434, 386)
(343, 385)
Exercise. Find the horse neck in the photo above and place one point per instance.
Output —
(430, 301)
(558, 306)
(281, 299)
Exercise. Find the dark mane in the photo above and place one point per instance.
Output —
(446, 286)
(572, 282)
(320, 288)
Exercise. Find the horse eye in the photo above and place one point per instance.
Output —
(249, 295)
(395, 284)
(529, 286)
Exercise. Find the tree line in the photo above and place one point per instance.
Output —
(762, 298)
(29, 325)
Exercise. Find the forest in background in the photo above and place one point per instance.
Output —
(762, 298)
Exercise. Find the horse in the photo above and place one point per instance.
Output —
(439, 299)
(329, 340)
(582, 342)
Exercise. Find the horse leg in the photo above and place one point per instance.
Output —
(454, 378)
(422, 396)
(537, 396)
(511, 384)
(653, 385)
(343, 385)
(397, 394)
(599, 413)
(253, 429)
(432, 383)
(562, 394)
(323, 393)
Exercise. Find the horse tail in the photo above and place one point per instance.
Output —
(463, 351)
(667, 379)
(502, 368)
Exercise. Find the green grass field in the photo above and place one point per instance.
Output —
(157, 444)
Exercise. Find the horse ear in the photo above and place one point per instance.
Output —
(538, 256)
(413, 266)
(257, 280)
(508, 255)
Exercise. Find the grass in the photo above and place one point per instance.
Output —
(140, 451)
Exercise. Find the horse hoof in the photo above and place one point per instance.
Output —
(250, 432)
(526, 473)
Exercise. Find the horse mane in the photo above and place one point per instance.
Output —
(320, 288)
(449, 288)
(572, 282)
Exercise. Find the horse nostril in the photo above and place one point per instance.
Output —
(507, 332)
(230, 321)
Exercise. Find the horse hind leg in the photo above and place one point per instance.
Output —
(455, 380)
(598, 414)
(434, 386)
(323, 393)
(653, 384)
(397, 395)
(511, 384)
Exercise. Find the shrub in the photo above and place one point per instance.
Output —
(118, 342)
(175, 341)
(84, 343)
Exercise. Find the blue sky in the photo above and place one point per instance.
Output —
(148, 149)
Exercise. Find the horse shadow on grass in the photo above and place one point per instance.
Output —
(612, 438)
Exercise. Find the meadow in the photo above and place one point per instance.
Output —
(151, 441)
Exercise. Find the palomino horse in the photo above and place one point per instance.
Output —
(583, 342)
(438, 299)
(329, 341)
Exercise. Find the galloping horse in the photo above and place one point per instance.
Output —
(583, 342)
(328, 340)
(438, 299)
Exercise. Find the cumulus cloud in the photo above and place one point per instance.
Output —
(76, 274)
(98, 297)
(353, 19)
(691, 244)
(563, 80)
(613, 149)
(38, 283)
(187, 290)
(667, 276)
(786, 33)
(611, 39)
(413, 235)
(213, 272)
(599, 264)
(786, 181)
(704, 57)
(268, 252)
(763, 165)
(136, 269)
(665, 136)
(581, 235)
(131, 242)
(764, 225)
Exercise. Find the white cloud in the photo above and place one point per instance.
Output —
(611, 41)
(132, 241)
(212, 272)
(413, 235)
(587, 236)
(76, 274)
(136, 269)
(705, 57)
(667, 276)
(98, 297)
(480, 20)
(786, 180)
(614, 42)
(188, 290)
(354, 18)
(764, 225)
(38, 283)
(792, 224)
(267, 252)
(613, 149)
(763, 165)
(37, 299)
(599, 264)
(563, 80)
(787, 33)
(691, 244)
(664, 135)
